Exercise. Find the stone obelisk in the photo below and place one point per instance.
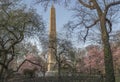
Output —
(52, 43)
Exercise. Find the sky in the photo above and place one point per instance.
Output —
(63, 15)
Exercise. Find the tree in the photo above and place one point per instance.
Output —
(115, 38)
(93, 12)
(103, 14)
(26, 47)
(15, 24)
(47, 3)
(94, 61)
(65, 52)
(32, 62)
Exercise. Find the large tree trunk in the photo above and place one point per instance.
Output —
(1, 72)
(2, 68)
(107, 52)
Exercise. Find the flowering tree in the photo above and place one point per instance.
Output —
(116, 58)
(94, 61)
(32, 63)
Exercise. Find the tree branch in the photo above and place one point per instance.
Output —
(86, 5)
(28, 61)
(95, 22)
(16, 42)
(11, 32)
(8, 41)
(84, 38)
(88, 27)
(110, 25)
(3, 65)
(110, 5)
(12, 54)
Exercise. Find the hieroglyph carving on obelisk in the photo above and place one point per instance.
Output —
(52, 41)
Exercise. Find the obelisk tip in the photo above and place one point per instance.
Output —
(52, 6)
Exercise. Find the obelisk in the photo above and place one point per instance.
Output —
(52, 43)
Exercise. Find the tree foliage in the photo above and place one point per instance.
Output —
(16, 22)
(94, 59)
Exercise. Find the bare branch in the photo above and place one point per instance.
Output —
(8, 41)
(95, 22)
(87, 5)
(2, 64)
(104, 2)
(5, 12)
(87, 32)
(110, 25)
(19, 39)
(26, 61)
(11, 32)
(88, 27)
(110, 5)
(12, 54)
(16, 42)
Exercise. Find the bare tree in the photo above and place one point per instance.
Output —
(63, 52)
(47, 3)
(100, 12)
